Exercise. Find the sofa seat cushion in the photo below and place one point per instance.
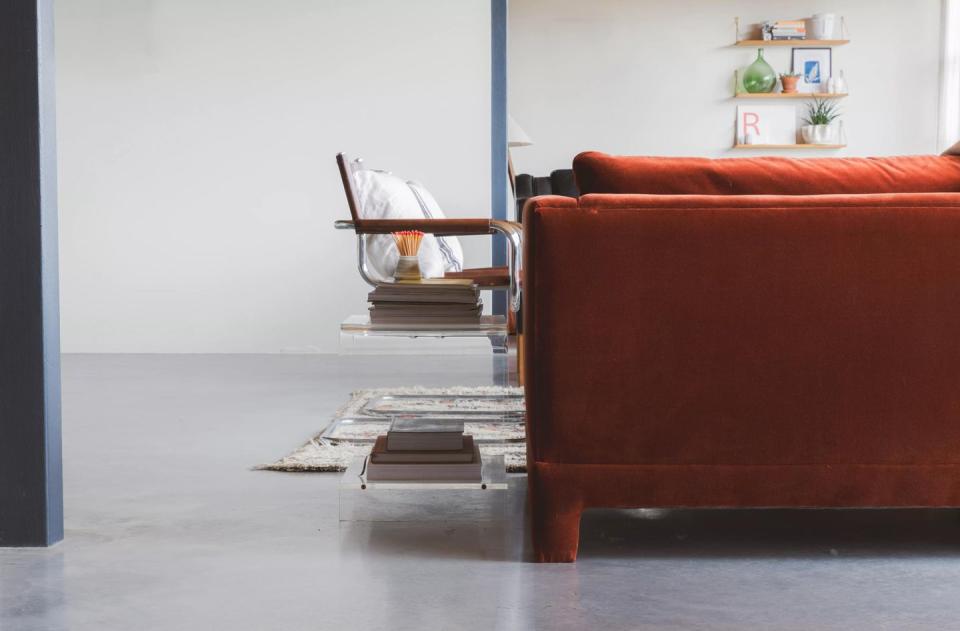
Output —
(601, 173)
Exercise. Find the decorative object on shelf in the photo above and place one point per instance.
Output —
(811, 78)
(788, 81)
(814, 66)
(408, 244)
(823, 25)
(819, 128)
(837, 85)
(759, 76)
(784, 30)
(765, 33)
(766, 124)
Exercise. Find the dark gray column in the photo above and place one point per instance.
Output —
(31, 497)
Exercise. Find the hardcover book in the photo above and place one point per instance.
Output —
(427, 472)
(425, 435)
(381, 454)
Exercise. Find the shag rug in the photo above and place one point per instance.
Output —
(493, 415)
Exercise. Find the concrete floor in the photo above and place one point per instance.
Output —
(167, 528)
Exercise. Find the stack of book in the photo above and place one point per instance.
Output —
(425, 304)
(425, 450)
(786, 29)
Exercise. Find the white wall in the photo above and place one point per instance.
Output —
(655, 78)
(197, 180)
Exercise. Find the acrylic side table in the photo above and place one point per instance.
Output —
(486, 500)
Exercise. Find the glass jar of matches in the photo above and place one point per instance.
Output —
(408, 244)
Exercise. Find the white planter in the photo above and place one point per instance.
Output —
(820, 134)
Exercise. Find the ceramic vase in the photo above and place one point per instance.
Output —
(837, 85)
(823, 25)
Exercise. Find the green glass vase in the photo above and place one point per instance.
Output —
(759, 76)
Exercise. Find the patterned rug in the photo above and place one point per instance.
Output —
(493, 415)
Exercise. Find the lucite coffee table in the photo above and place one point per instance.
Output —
(486, 500)
(357, 329)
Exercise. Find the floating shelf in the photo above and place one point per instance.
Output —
(796, 43)
(793, 146)
(795, 95)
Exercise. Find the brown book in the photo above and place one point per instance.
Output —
(425, 434)
(425, 293)
(427, 472)
(381, 454)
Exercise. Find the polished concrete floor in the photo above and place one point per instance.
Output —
(168, 528)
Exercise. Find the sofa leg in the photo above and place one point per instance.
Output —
(555, 528)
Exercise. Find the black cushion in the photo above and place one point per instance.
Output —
(560, 182)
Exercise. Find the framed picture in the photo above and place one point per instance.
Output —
(766, 124)
(814, 66)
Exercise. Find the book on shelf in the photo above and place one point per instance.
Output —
(427, 471)
(785, 29)
(419, 293)
(434, 281)
(428, 308)
(382, 455)
(425, 435)
(799, 25)
(418, 321)
(412, 305)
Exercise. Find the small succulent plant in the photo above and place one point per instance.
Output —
(821, 112)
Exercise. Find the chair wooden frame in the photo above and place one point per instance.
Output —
(502, 278)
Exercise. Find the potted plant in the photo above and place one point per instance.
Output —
(819, 128)
(789, 82)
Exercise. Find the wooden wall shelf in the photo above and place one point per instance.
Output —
(797, 43)
(797, 95)
(793, 146)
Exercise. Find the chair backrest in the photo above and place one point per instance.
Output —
(349, 185)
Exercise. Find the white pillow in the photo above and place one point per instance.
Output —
(449, 246)
(385, 196)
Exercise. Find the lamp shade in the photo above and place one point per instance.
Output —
(516, 137)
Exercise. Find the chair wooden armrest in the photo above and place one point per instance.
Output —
(439, 227)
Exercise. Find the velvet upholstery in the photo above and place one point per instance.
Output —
(601, 173)
(740, 351)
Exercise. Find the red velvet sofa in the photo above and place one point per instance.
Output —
(742, 333)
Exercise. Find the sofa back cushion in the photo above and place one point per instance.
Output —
(601, 173)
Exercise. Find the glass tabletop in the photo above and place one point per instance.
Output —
(493, 477)
(488, 325)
